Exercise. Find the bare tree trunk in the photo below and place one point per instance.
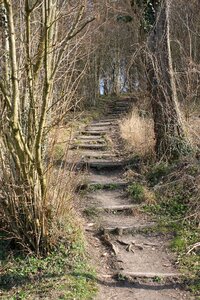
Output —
(171, 141)
(34, 58)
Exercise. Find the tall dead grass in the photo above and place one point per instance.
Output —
(138, 131)
(192, 125)
(28, 223)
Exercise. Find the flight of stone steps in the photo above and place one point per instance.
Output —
(139, 253)
(91, 145)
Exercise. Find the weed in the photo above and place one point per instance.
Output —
(95, 187)
(157, 173)
(91, 212)
(121, 277)
(63, 274)
(178, 243)
(136, 191)
(98, 186)
(157, 279)
(111, 186)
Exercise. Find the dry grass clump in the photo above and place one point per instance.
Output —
(193, 129)
(62, 185)
(137, 130)
(31, 221)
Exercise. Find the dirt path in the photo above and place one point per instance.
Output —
(133, 261)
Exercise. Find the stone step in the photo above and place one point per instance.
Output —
(97, 128)
(149, 275)
(124, 230)
(94, 132)
(119, 112)
(105, 178)
(122, 104)
(104, 186)
(99, 124)
(114, 115)
(104, 198)
(107, 164)
(91, 141)
(99, 156)
(96, 155)
(109, 184)
(89, 137)
(109, 120)
(118, 208)
(92, 163)
(121, 108)
(90, 146)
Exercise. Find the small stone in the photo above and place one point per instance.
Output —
(90, 224)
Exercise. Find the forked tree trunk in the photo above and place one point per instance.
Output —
(171, 141)
(30, 84)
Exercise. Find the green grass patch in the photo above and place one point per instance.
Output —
(175, 210)
(168, 210)
(63, 274)
(184, 234)
(111, 186)
(99, 186)
(137, 192)
(95, 187)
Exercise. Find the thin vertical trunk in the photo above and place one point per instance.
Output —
(171, 141)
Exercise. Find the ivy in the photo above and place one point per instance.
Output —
(125, 19)
(149, 15)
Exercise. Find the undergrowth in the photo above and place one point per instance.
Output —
(137, 192)
(177, 193)
(63, 274)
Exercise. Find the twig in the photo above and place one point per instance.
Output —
(197, 245)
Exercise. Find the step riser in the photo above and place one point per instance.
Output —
(104, 124)
(101, 130)
(132, 276)
(88, 137)
(117, 208)
(104, 168)
(126, 230)
(105, 186)
(125, 211)
(89, 141)
(90, 147)
(94, 133)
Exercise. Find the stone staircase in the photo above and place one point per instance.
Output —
(139, 264)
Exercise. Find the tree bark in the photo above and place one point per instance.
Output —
(171, 141)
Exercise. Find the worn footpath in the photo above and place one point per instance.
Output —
(133, 260)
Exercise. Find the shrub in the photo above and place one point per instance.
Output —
(157, 172)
